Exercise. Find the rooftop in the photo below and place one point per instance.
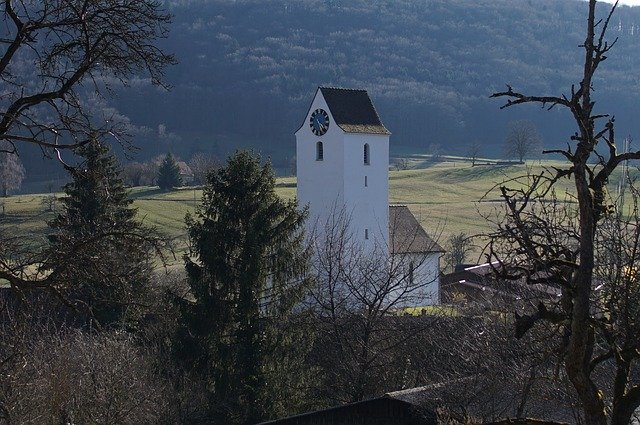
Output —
(353, 110)
(406, 235)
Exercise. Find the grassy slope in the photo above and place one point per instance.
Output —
(445, 197)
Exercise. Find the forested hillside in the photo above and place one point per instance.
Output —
(249, 68)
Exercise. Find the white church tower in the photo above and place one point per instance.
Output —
(342, 153)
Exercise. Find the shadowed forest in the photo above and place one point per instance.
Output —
(247, 68)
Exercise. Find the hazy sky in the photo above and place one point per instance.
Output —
(627, 2)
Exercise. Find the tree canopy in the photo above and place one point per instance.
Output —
(99, 251)
(169, 174)
(75, 46)
(247, 270)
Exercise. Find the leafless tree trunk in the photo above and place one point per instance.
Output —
(11, 170)
(565, 256)
(201, 164)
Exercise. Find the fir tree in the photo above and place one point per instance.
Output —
(169, 174)
(97, 249)
(11, 170)
(247, 270)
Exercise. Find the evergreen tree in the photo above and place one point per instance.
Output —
(247, 270)
(11, 170)
(98, 251)
(169, 174)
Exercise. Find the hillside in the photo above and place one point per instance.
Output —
(248, 70)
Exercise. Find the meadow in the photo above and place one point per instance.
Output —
(448, 197)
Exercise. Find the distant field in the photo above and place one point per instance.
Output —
(447, 198)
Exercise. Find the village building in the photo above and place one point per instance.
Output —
(481, 285)
(342, 152)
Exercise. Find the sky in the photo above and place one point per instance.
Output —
(627, 2)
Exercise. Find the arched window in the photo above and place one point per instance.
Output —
(319, 152)
(366, 153)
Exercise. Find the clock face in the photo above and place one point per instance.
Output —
(319, 122)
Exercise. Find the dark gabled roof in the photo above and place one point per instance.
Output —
(406, 235)
(353, 110)
(380, 410)
(483, 278)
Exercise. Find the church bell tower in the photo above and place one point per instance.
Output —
(342, 153)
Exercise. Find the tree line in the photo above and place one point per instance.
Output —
(429, 66)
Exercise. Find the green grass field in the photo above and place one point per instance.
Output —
(448, 198)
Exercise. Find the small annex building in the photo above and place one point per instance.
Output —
(342, 164)
(409, 241)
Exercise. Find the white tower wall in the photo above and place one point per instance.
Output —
(319, 183)
(368, 204)
(337, 182)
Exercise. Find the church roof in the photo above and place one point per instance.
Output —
(406, 235)
(353, 110)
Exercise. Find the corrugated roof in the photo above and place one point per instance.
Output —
(406, 235)
(353, 110)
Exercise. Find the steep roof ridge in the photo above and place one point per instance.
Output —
(366, 118)
(406, 234)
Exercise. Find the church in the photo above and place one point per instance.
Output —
(342, 164)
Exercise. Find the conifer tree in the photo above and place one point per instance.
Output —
(11, 170)
(97, 249)
(169, 174)
(247, 270)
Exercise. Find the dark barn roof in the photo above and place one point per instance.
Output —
(353, 110)
(385, 410)
(481, 284)
(406, 235)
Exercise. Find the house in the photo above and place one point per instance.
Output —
(185, 172)
(342, 152)
(480, 284)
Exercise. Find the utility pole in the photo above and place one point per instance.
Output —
(624, 176)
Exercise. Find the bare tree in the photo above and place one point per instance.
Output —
(75, 45)
(401, 163)
(11, 171)
(359, 303)
(435, 150)
(558, 244)
(132, 173)
(522, 140)
(473, 151)
(200, 165)
(460, 245)
(73, 377)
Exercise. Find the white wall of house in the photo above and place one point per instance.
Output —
(422, 288)
(429, 272)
